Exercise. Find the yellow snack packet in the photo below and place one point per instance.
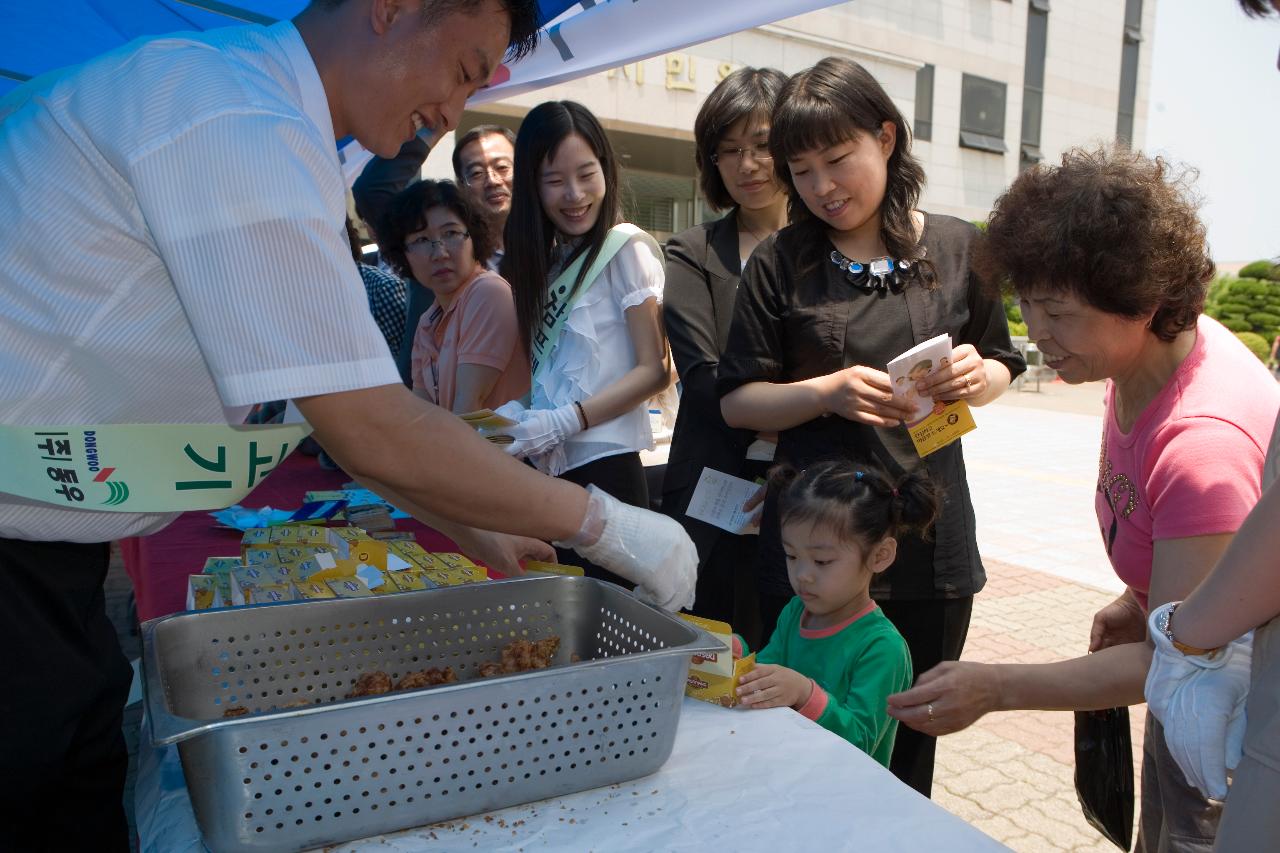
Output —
(271, 592)
(298, 534)
(452, 560)
(202, 592)
(313, 590)
(553, 568)
(221, 565)
(349, 588)
(254, 537)
(411, 580)
(713, 676)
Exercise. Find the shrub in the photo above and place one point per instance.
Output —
(1237, 326)
(1257, 345)
(1260, 269)
(1018, 330)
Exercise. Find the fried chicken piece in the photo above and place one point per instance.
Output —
(490, 669)
(235, 711)
(427, 678)
(371, 684)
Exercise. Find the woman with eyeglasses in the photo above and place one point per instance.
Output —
(466, 351)
(735, 172)
(860, 276)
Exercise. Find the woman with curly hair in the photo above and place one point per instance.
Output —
(859, 277)
(1108, 259)
(466, 354)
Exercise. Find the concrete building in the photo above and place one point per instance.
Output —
(988, 86)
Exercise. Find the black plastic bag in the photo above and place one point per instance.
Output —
(1104, 773)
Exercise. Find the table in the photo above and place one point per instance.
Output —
(159, 564)
(736, 780)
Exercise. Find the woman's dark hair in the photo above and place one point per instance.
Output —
(1110, 225)
(747, 92)
(407, 214)
(860, 502)
(530, 234)
(831, 103)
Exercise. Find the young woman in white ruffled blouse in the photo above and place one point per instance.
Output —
(586, 418)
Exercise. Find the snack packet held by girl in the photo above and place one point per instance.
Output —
(834, 656)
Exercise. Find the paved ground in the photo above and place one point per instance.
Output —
(1032, 466)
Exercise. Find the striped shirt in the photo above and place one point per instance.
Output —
(175, 250)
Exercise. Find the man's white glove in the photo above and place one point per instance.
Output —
(650, 550)
(1200, 699)
(539, 431)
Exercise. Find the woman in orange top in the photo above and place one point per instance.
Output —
(466, 352)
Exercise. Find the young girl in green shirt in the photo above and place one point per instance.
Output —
(834, 657)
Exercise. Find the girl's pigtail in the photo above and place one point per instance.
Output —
(780, 477)
(916, 502)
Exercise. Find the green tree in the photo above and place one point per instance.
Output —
(1260, 269)
(1246, 305)
(1257, 345)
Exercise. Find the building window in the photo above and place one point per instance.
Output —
(982, 114)
(923, 125)
(1033, 82)
(1129, 70)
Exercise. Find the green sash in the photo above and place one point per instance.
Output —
(562, 297)
(142, 467)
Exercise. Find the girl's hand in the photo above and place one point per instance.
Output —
(948, 698)
(772, 686)
(865, 395)
(963, 379)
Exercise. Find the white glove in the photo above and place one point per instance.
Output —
(511, 411)
(650, 550)
(1200, 702)
(539, 431)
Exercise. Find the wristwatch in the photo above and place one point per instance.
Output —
(1164, 622)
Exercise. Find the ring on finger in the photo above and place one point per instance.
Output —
(929, 708)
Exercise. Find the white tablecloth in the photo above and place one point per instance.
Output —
(736, 780)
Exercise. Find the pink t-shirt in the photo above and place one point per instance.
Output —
(478, 328)
(1192, 464)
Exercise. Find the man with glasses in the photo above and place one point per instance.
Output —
(484, 164)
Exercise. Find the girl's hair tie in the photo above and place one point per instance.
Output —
(895, 493)
(857, 475)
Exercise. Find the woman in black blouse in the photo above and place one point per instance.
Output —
(735, 169)
(820, 314)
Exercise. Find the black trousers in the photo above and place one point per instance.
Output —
(63, 758)
(935, 630)
(621, 476)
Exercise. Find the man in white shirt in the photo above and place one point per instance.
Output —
(484, 164)
(174, 252)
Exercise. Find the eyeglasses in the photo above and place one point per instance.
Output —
(450, 241)
(501, 171)
(731, 156)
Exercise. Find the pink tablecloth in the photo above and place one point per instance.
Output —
(159, 564)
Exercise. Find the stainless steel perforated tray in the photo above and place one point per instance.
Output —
(300, 777)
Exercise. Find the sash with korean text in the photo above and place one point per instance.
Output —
(142, 467)
(562, 295)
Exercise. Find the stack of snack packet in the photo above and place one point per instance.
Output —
(713, 677)
(307, 562)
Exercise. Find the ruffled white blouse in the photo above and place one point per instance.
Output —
(595, 350)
